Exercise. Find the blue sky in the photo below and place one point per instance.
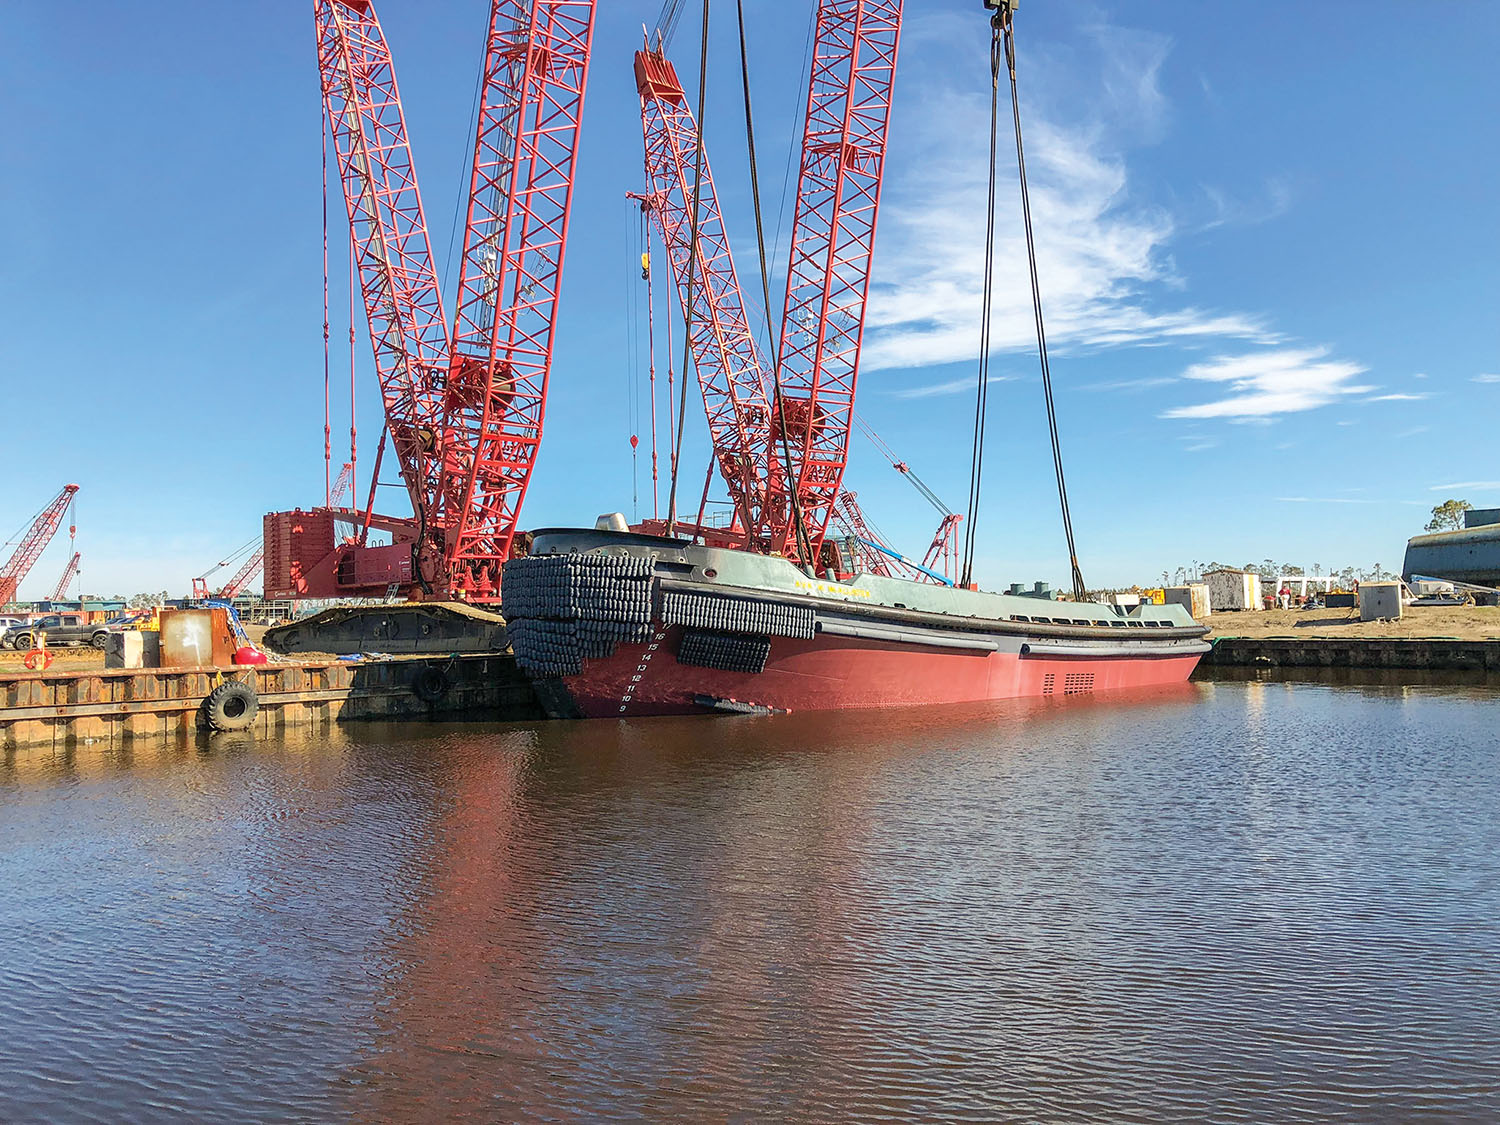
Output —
(1269, 248)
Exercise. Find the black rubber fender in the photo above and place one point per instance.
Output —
(231, 706)
(430, 685)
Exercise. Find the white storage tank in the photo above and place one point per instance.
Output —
(1379, 601)
(1233, 589)
(1193, 597)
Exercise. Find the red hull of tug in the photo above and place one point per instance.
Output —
(831, 673)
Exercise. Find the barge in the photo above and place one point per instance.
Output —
(617, 623)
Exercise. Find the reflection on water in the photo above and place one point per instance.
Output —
(1237, 901)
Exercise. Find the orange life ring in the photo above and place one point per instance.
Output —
(38, 656)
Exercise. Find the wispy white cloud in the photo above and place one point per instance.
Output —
(1265, 384)
(951, 387)
(1459, 486)
(1400, 397)
(1130, 384)
(1228, 210)
(1103, 256)
(1486, 378)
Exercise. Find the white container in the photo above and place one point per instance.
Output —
(1233, 589)
(1192, 597)
(1379, 601)
(125, 650)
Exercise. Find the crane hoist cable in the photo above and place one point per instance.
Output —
(327, 366)
(1002, 44)
(687, 304)
(666, 22)
(804, 541)
(981, 394)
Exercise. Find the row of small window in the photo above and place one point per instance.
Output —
(1148, 624)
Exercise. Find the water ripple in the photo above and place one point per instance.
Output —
(1234, 902)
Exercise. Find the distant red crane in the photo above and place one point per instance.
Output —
(69, 573)
(33, 543)
(464, 408)
(878, 557)
(851, 519)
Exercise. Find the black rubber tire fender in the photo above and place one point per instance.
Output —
(231, 706)
(430, 685)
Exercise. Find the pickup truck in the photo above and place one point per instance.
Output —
(61, 630)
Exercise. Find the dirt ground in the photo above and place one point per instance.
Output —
(1469, 623)
(63, 659)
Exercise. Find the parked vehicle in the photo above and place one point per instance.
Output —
(60, 631)
(136, 620)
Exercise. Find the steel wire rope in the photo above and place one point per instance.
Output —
(1004, 31)
(666, 22)
(327, 364)
(804, 541)
(20, 532)
(981, 393)
(901, 466)
(687, 304)
(629, 327)
(452, 266)
(791, 148)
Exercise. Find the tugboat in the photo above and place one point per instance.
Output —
(609, 622)
(766, 615)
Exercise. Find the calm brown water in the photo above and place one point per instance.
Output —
(1232, 902)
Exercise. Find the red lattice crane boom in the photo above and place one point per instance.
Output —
(842, 162)
(464, 408)
(520, 197)
(388, 231)
(730, 370)
(69, 573)
(33, 543)
(833, 238)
